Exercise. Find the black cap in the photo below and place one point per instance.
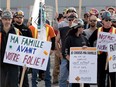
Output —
(19, 13)
(60, 16)
(106, 15)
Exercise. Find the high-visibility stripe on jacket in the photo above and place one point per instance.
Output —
(49, 32)
(17, 31)
(112, 30)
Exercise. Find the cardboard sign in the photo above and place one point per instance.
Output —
(31, 52)
(83, 65)
(103, 40)
(112, 57)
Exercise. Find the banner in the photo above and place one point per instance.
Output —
(112, 57)
(103, 40)
(31, 52)
(83, 65)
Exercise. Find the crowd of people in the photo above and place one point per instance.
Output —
(67, 30)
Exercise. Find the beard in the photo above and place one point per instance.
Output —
(19, 23)
(92, 25)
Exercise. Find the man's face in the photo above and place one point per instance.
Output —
(19, 20)
(6, 22)
(93, 21)
(111, 11)
(107, 23)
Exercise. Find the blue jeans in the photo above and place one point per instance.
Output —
(64, 73)
(47, 76)
(34, 77)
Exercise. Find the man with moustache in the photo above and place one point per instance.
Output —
(93, 24)
(9, 72)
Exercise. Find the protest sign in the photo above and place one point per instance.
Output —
(103, 40)
(31, 52)
(83, 65)
(112, 57)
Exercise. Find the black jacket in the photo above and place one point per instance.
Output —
(24, 30)
(9, 72)
(4, 39)
(74, 41)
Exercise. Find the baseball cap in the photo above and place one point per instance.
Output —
(7, 14)
(71, 9)
(79, 24)
(111, 8)
(19, 13)
(93, 11)
(106, 15)
(60, 16)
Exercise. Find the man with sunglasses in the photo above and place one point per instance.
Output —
(9, 72)
(93, 26)
(66, 21)
(64, 27)
(18, 23)
(102, 56)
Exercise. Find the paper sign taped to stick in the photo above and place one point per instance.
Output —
(83, 65)
(31, 52)
(103, 40)
(112, 57)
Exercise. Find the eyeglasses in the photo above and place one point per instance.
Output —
(80, 26)
(19, 17)
(107, 20)
(93, 20)
(70, 19)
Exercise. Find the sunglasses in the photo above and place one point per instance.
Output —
(93, 20)
(80, 26)
(19, 17)
(107, 20)
(70, 19)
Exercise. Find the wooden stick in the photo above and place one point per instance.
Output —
(80, 5)
(22, 76)
(81, 84)
(56, 3)
(8, 5)
(107, 60)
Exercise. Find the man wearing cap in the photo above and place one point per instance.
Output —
(111, 10)
(9, 72)
(18, 23)
(65, 22)
(102, 56)
(63, 29)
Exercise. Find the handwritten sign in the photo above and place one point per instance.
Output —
(103, 40)
(83, 65)
(112, 57)
(31, 52)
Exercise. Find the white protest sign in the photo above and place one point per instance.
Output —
(103, 40)
(83, 65)
(31, 52)
(112, 57)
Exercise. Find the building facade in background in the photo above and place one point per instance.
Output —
(26, 5)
